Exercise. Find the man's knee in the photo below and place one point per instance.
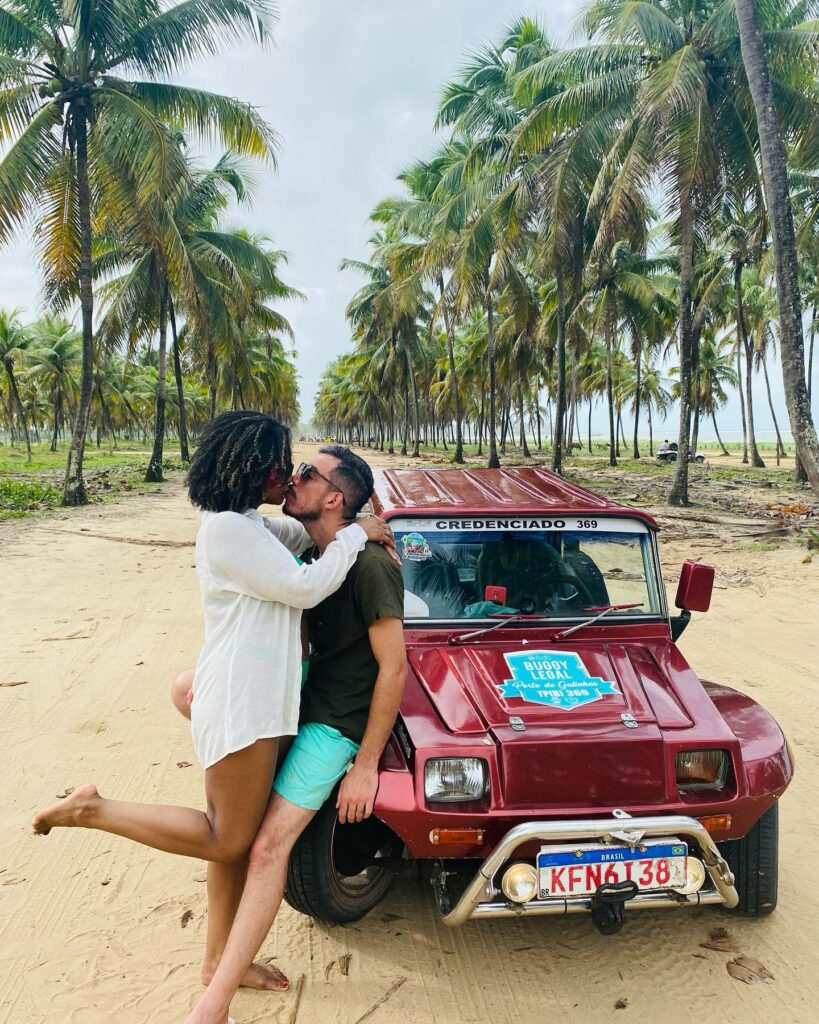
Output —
(268, 848)
(180, 688)
(278, 834)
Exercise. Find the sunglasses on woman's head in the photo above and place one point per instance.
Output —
(307, 471)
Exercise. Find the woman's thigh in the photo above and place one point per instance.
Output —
(237, 790)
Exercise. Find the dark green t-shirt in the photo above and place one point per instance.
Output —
(343, 669)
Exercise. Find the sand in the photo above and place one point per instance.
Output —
(99, 611)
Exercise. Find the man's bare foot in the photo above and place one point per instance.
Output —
(69, 812)
(263, 977)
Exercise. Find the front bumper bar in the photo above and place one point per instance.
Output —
(479, 898)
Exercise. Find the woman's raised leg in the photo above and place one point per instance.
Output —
(237, 790)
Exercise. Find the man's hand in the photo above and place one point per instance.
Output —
(357, 794)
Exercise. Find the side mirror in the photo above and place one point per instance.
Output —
(695, 587)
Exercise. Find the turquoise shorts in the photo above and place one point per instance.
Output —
(315, 762)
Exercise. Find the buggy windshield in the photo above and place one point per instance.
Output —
(480, 567)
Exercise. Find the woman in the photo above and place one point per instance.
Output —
(248, 675)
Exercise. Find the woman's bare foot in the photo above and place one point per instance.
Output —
(263, 977)
(71, 811)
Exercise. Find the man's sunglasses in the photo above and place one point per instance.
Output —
(307, 471)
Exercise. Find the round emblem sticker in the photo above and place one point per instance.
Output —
(415, 548)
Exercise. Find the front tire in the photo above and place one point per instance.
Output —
(754, 861)
(331, 875)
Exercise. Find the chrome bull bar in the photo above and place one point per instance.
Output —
(478, 901)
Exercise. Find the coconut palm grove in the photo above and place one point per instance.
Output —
(626, 226)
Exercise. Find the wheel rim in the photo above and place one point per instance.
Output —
(358, 844)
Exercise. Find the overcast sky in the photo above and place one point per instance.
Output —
(352, 88)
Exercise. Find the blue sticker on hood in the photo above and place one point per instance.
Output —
(558, 679)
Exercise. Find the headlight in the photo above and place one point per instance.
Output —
(701, 769)
(455, 779)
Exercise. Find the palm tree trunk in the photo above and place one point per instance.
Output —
(56, 421)
(494, 461)
(180, 392)
(650, 433)
(481, 416)
(537, 420)
(74, 492)
(756, 459)
(742, 333)
(154, 473)
(810, 354)
(591, 408)
(613, 444)
(526, 453)
(105, 419)
(679, 489)
(19, 406)
(416, 452)
(775, 175)
(780, 448)
(741, 389)
(560, 413)
(716, 431)
(453, 375)
(637, 396)
(405, 435)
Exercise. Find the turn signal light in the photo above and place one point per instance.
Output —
(715, 822)
(456, 836)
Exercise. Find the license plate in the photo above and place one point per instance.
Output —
(579, 870)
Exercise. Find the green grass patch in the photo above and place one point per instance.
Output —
(13, 460)
(22, 497)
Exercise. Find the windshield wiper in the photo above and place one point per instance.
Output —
(463, 637)
(587, 622)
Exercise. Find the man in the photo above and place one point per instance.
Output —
(350, 701)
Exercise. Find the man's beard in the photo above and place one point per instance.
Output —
(308, 515)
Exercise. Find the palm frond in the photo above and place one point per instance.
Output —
(211, 117)
(194, 28)
(25, 167)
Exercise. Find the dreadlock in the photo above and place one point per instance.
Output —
(231, 465)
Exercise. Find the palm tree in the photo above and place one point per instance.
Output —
(218, 279)
(626, 292)
(55, 356)
(77, 136)
(715, 375)
(386, 310)
(737, 241)
(15, 340)
(760, 305)
(774, 169)
(427, 249)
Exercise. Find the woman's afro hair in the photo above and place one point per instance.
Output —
(234, 459)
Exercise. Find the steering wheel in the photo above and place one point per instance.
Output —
(527, 602)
